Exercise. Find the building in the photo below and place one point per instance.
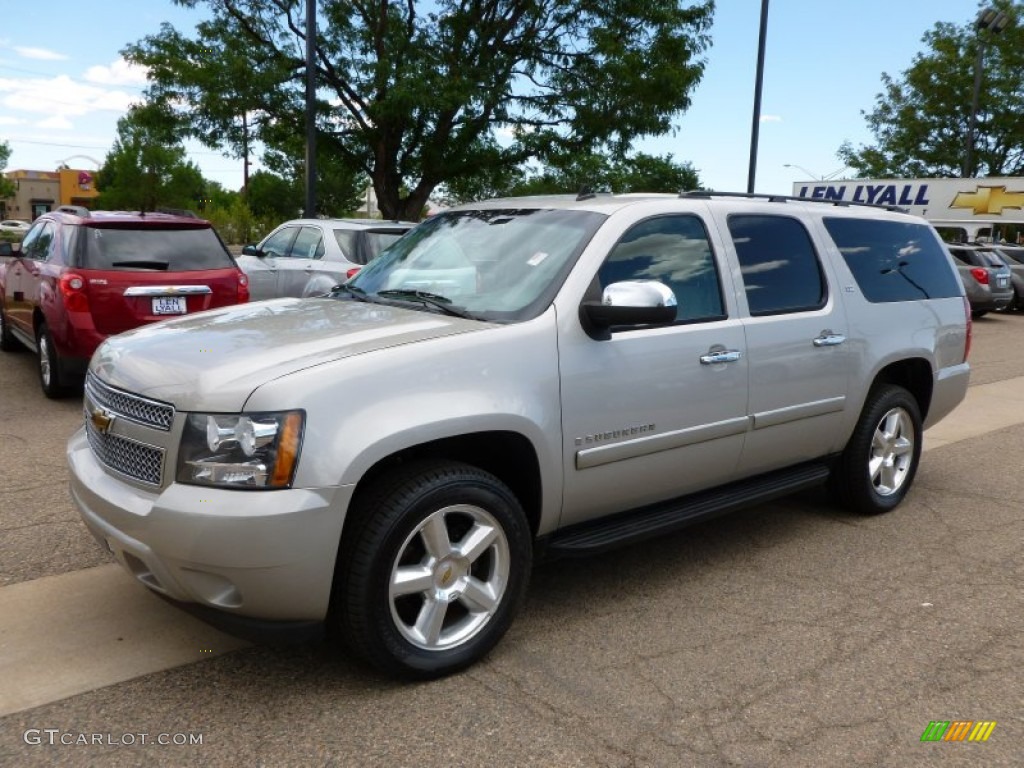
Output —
(40, 191)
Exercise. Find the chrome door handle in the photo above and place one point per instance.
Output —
(723, 356)
(829, 339)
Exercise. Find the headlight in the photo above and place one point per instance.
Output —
(240, 450)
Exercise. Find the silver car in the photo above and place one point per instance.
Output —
(1013, 255)
(546, 376)
(308, 257)
(986, 278)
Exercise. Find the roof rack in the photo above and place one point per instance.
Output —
(75, 210)
(783, 198)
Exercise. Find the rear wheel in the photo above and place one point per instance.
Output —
(49, 365)
(877, 467)
(433, 567)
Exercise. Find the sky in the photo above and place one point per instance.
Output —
(63, 83)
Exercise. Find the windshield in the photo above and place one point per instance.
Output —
(504, 265)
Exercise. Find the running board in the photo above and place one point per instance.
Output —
(646, 522)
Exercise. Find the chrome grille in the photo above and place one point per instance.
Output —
(132, 407)
(131, 458)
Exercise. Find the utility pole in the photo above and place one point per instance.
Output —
(310, 109)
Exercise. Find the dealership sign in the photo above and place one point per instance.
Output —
(991, 199)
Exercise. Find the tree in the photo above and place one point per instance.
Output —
(638, 173)
(920, 120)
(414, 94)
(146, 167)
(7, 188)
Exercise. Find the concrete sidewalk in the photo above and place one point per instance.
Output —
(987, 408)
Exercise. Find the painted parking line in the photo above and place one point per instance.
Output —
(64, 635)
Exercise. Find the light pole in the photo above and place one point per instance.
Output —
(752, 169)
(993, 21)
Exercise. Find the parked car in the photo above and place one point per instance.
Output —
(985, 276)
(308, 257)
(82, 276)
(536, 376)
(14, 225)
(1014, 257)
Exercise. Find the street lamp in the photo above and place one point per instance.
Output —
(993, 21)
(814, 176)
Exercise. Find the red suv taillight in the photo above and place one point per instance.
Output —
(243, 287)
(72, 290)
(981, 275)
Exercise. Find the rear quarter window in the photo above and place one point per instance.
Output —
(152, 248)
(894, 260)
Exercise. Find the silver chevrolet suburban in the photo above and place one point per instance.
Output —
(516, 378)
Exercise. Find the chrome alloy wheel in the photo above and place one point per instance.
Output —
(449, 577)
(44, 360)
(892, 452)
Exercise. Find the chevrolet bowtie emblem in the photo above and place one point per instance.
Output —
(988, 200)
(101, 420)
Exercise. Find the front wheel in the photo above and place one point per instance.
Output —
(878, 465)
(49, 365)
(432, 569)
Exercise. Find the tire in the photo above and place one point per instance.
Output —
(49, 365)
(7, 341)
(406, 600)
(877, 467)
(976, 313)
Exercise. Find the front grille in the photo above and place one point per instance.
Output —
(152, 413)
(131, 458)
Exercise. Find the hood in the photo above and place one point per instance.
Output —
(214, 360)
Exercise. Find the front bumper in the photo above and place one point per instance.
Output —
(263, 554)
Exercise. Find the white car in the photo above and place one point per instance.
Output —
(14, 225)
(308, 257)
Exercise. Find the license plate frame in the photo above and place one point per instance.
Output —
(170, 305)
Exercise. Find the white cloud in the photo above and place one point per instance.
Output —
(771, 118)
(120, 72)
(4, 120)
(41, 54)
(57, 122)
(61, 96)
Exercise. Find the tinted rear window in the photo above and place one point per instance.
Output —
(894, 260)
(152, 248)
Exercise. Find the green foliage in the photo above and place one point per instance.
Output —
(237, 224)
(415, 93)
(146, 168)
(920, 120)
(7, 188)
(638, 173)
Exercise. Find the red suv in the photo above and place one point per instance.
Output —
(82, 276)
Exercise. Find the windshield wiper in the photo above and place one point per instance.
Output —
(354, 291)
(434, 300)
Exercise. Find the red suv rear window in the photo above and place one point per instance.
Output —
(152, 248)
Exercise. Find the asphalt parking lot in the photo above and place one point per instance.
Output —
(792, 634)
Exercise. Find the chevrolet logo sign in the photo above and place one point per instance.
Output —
(988, 200)
(102, 420)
